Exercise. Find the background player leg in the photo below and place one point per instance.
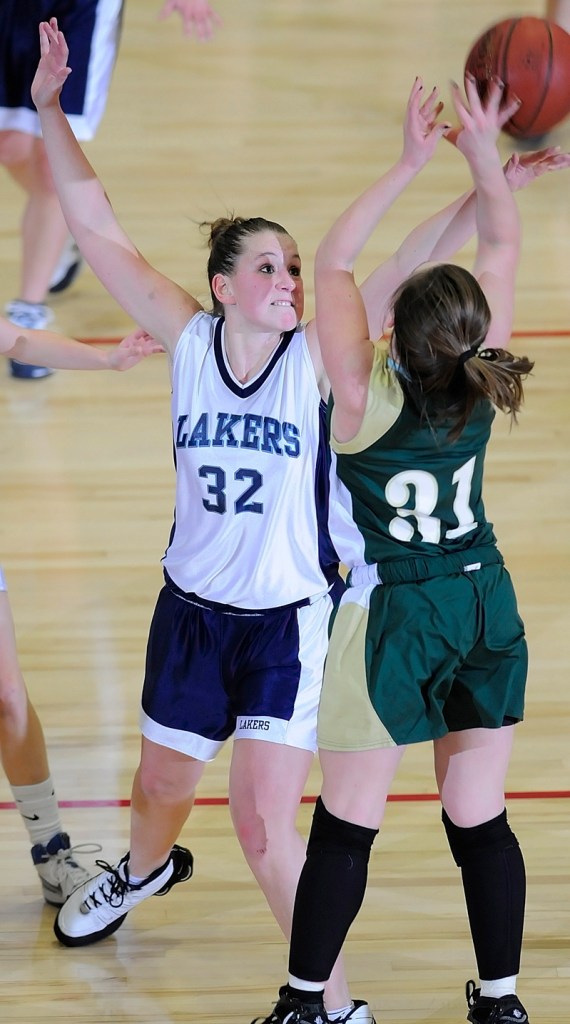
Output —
(43, 235)
(24, 759)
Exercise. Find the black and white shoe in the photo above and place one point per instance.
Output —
(289, 1010)
(97, 908)
(486, 1010)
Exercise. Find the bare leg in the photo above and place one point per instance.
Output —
(162, 797)
(266, 784)
(44, 230)
(22, 744)
(470, 769)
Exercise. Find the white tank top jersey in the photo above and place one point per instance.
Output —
(250, 524)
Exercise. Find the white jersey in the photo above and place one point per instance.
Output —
(250, 526)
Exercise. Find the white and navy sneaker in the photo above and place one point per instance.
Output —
(30, 316)
(69, 264)
(59, 872)
(487, 1010)
(97, 908)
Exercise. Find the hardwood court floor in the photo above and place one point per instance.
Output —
(289, 112)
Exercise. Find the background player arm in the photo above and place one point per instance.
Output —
(340, 310)
(160, 306)
(441, 236)
(198, 18)
(47, 348)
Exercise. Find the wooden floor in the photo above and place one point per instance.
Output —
(291, 110)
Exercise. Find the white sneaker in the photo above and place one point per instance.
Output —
(59, 872)
(31, 316)
(100, 906)
(68, 267)
(360, 1014)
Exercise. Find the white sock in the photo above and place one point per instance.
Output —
(499, 987)
(306, 986)
(342, 1012)
(39, 811)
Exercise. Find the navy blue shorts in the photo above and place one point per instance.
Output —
(91, 29)
(213, 671)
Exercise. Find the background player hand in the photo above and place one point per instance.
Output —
(132, 350)
(198, 18)
(523, 168)
(422, 131)
(52, 69)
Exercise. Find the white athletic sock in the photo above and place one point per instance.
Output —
(305, 986)
(39, 811)
(499, 987)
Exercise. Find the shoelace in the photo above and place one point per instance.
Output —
(117, 889)
(66, 865)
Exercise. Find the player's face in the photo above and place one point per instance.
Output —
(267, 285)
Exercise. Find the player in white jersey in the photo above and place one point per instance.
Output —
(22, 745)
(212, 664)
(239, 632)
(50, 260)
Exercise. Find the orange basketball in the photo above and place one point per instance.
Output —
(532, 57)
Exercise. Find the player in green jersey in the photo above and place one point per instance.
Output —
(427, 642)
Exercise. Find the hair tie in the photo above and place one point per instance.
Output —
(468, 354)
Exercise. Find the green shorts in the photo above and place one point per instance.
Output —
(411, 661)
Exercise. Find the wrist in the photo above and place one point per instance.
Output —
(411, 164)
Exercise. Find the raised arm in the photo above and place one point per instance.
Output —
(498, 225)
(160, 306)
(441, 236)
(341, 318)
(46, 348)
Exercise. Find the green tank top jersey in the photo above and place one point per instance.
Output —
(406, 490)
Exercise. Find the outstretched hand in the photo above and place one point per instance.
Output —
(52, 70)
(198, 18)
(422, 130)
(481, 121)
(132, 350)
(523, 168)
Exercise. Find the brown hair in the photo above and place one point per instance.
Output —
(226, 243)
(441, 320)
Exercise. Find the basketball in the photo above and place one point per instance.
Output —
(532, 57)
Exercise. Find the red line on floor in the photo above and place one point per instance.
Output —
(221, 801)
(536, 333)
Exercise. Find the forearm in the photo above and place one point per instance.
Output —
(83, 200)
(497, 217)
(349, 234)
(44, 348)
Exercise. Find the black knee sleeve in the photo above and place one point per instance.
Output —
(330, 892)
(329, 832)
(468, 844)
(493, 875)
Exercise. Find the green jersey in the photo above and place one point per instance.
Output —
(402, 489)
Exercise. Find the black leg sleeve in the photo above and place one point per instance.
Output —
(494, 882)
(330, 893)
